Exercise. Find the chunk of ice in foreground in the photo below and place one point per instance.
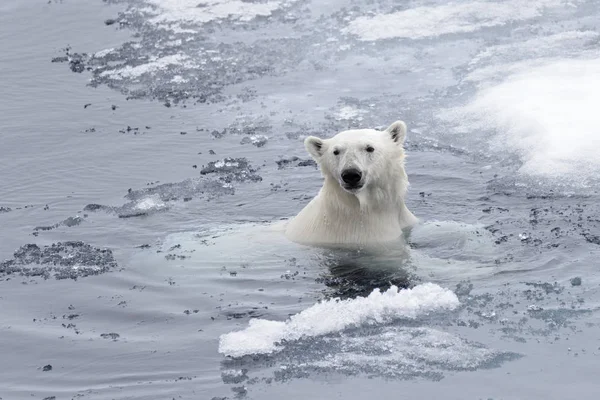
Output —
(263, 336)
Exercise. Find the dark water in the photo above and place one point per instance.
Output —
(147, 146)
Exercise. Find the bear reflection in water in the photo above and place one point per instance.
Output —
(349, 273)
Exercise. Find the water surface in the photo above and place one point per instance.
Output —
(148, 146)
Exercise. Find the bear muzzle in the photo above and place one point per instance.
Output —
(352, 179)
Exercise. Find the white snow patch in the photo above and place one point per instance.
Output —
(263, 336)
(547, 115)
(222, 163)
(178, 79)
(88, 267)
(202, 11)
(103, 53)
(153, 66)
(150, 203)
(432, 21)
(258, 138)
(349, 112)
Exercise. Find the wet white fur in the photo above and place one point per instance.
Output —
(376, 213)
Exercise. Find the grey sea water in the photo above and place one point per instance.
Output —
(147, 147)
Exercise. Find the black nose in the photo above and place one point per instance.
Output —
(351, 176)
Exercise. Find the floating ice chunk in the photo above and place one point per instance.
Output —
(545, 115)
(202, 11)
(155, 65)
(103, 53)
(178, 79)
(263, 336)
(523, 236)
(222, 164)
(431, 21)
(151, 203)
(348, 112)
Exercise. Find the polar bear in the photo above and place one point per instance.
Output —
(361, 202)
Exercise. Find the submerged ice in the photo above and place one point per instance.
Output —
(406, 352)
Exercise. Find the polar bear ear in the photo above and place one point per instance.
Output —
(314, 146)
(397, 131)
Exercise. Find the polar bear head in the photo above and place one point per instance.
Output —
(363, 159)
(362, 201)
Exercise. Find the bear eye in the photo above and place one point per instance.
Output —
(336, 152)
(370, 149)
